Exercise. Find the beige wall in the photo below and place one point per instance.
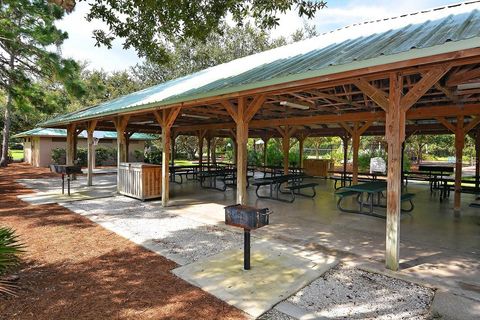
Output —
(38, 152)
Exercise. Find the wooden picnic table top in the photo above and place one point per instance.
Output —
(368, 187)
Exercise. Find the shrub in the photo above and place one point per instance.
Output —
(59, 156)
(10, 249)
(153, 156)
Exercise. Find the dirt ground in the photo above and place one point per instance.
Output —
(75, 269)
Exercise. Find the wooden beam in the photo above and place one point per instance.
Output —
(463, 77)
(242, 138)
(459, 144)
(377, 95)
(90, 151)
(231, 109)
(70, 144)
(472, 124)
(422, 86)
(446, 124)
(253, 107)
(395, 135)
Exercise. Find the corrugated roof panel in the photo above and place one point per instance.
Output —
(50, 132)
(349, 48)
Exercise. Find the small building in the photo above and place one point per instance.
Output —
(39, 142)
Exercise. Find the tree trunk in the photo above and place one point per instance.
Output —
(7, 119)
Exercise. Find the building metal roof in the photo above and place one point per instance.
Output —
(42, 132)
(421, 34)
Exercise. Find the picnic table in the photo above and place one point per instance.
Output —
(345, 177)
(374, 192)
(180, 171)
(294, 185)
(278, 170)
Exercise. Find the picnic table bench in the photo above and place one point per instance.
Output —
(294, 185)
(373, 190)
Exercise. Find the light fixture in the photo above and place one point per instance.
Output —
(194, 116)
(294, 105)
(471, 85)
(142, 122)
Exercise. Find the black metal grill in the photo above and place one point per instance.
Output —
(65, 170)
(248, 218)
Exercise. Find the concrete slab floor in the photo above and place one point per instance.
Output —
(276, 273)
(437, 248)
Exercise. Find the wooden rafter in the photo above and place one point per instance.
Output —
(377, 95)
(421, 87)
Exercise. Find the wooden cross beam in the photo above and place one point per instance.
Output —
(429, 79)
(243, 112)
(166, 117)
(462, 76)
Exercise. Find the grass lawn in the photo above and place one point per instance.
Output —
(17, 154)
(183, 163)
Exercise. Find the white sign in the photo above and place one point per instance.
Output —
(378, 165)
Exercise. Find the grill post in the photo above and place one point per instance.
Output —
(246, 249)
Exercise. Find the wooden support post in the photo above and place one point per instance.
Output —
(242, 113)
(286, 151)
(201, 136)
(477, 160)
(355, 132)
(173, 149)
(90, 151)
(459, 144)
(402, 176)
(394, 135)
(166, 118)
(242, 138)
(460, 129)
(265, 150)
(355, 147)
(120, 123)
(345, 140)
(128, 135)
(301, 140)
(70, 153)
(286, 134)
(209, 149)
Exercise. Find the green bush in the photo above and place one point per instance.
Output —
(59, 156)
(153, 156)
(10, 249)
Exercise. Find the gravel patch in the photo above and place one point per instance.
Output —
(275, 315)
(345, 292)
(178, 238)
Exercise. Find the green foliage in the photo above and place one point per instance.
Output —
(102, 156)
(153, 156)
(32, 77)
(189, 56)
(59, 156)
(254, 158)
(10, 250)
(152, 26)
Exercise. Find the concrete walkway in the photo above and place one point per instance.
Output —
(438, 250)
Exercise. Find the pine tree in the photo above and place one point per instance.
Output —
(28, 37)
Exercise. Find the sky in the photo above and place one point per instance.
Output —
(81, 45)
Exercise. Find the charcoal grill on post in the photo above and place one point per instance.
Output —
(248, 218)
(65, 170)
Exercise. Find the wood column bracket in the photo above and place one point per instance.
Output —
(241, 111)
(380, 97)
(121, 122)
(166, 117)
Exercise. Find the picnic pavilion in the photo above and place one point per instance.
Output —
(417, 73)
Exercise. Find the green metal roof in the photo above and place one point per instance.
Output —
(421, 34)
(48, 132)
